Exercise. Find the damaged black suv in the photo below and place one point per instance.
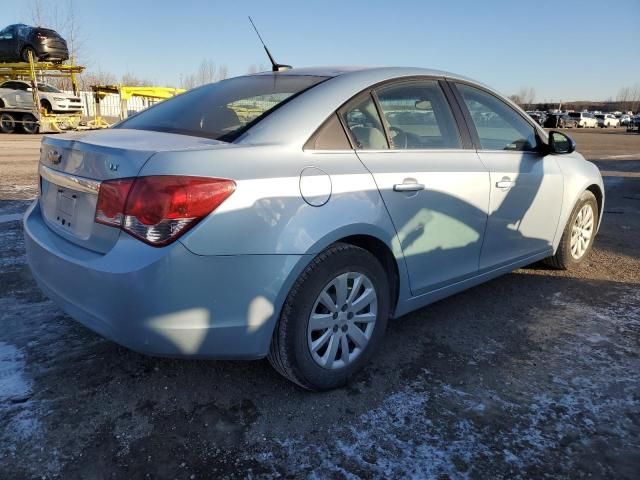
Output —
(16, 41)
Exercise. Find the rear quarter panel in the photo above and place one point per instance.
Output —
(267, 213)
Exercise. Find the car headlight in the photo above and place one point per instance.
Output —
(59, 99)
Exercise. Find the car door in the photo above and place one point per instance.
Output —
(435, 191)
(526, 184)
(25, 95)
(16, 94)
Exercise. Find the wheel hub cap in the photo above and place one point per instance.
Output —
(342, 320)
(582, 231)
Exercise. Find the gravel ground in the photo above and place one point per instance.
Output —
(532, 375)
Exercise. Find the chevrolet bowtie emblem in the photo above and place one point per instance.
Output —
(54, 157)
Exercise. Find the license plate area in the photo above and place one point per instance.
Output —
(66, 207)
(68, 211)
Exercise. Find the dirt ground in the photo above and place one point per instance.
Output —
(532, 375)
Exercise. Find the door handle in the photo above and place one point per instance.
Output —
(408, 185)
(505, 184)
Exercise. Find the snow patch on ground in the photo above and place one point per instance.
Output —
(13, 381)
(18, 192)
(420, 434)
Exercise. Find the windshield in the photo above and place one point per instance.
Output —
(48, 88)
(575, 114)
(221, 110)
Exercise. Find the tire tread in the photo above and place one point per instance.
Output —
(279, 357)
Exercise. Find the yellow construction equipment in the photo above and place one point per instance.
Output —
(37, 119)
(126, 92)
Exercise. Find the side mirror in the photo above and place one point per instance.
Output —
(560, 143)
(29, 89)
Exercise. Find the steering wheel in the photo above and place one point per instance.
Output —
(400, 139)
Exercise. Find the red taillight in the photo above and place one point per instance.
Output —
(159, 209)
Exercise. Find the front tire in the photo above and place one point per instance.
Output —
(333, 319)
(577, 238)
(46, 106)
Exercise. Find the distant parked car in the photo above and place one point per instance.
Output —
(625, 119)
(17, 94)
(607, 120)
(16, 41)
(560, 120)
(584, 119)
(539, 117)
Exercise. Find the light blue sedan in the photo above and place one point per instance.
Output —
(292, 214)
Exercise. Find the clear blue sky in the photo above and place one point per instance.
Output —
(567, 50)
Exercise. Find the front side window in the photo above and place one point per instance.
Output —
(418, 116)
(362, 119)
(498, 125)
(43, 87)
(222, 110)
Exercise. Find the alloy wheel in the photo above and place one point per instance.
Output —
(582, 231)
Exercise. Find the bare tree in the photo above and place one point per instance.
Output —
(255, 68)
(63, 19)
(96, 77)
(131, 80)
(629, 98)
(525, 97)
(207, 72)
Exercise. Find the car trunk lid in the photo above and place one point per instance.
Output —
(72, 167)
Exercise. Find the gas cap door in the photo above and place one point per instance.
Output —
(315, 186)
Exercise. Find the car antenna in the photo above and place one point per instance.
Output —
(276, 67)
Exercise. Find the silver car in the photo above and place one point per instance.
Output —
(292, 214)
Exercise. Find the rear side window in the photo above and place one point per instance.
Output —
(418, 116)
(330, 136)
(498, 125)
(362, 119)
(222, 110)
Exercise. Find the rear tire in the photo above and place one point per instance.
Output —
(30, 124)
(7, 123)
(301, 340)
(574, 245)
(25, 54)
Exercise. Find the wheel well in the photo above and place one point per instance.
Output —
(595, 189)
(383, 253)
(1, 103)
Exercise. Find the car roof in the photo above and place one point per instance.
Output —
(390, 72)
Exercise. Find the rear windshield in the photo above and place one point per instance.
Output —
(222, 110)
(575, 114)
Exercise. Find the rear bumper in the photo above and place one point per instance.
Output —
(162, 301)
(52, 52)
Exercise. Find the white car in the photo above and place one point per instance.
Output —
(625, 119)
(584, 119)
(607, 120)
(18, 94)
